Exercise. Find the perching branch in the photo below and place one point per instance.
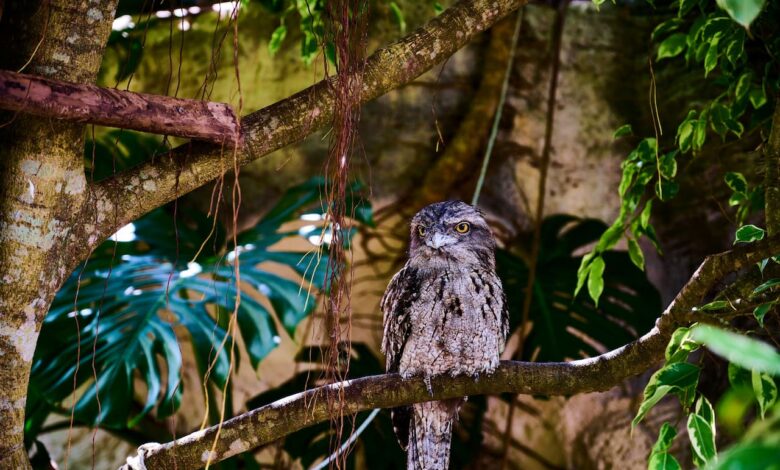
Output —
(772, 177)
(87, 103)
(282, 417)
(133, 193)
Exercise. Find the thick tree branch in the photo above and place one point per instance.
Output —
(280, 418)
(133, 193)
(87, 103)
(772, 177)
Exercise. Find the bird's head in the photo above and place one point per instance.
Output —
(452, 234)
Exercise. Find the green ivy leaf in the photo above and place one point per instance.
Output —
(635, 253)
(714, 305)
(623, 130)
(743, 85)
(761, 311)
(583, 271)
(757, 97)
(685, 132)
(680, 378)
(767, 285)
(666, 190)
(660, 458)
(702, 437)
(749, 233)
(740, 349)
(668, 165)
(666, 27)
(686, 6)
(680, 346)
(596, 279)
(711, 59)
(742, 11)
(277, 37)
(644, 217)
(736, 181)
(765, 390)
(700, 131)
(672, 46)
(736, 48)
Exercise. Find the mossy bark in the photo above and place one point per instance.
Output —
(42, 189)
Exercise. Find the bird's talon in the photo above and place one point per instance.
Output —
(428, 385)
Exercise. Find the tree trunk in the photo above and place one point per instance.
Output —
(42, 189)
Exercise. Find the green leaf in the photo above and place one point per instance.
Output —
(711, 59)
(628, 305)
(700, 131)
(635, 252)
(748, 456)
(680, 346)
(704, 409)
(686, 6)
(398, 16)
(666, 190)
(623, 130)
(736, 48)
(667, 26)
(743, 85)
(702, 437)
(744, 351)
(680, 378)
(765, 390)
(668, 165)
(663, 461)
(761, 311)
(437, 8)
(736, 181)
(644, 217)
(742, 11)
(714, 305)
(596, 279)
(583, 272)
(749, 233)
(672, 46)
(660, 458)
(277, 37)
(666, 435)
(685, 132)
(757, 97)
(766, 285)
(627, 178)
(610, 238)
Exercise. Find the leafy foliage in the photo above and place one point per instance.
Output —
(120, 315)
(743, 66)
(565, 326)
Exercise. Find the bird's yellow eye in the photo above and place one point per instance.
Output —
(421, 230)
(463, 227)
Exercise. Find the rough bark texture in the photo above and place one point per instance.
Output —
(772, 177)
(42, 189)
(86, 103)
(278, 419)
(153, 184)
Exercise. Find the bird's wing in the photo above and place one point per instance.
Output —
(399, 297)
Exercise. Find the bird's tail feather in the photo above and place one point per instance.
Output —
(430, 434)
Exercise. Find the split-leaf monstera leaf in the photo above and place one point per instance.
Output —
(122, 314)
(568, 327)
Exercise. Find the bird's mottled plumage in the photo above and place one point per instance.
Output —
(444, 313)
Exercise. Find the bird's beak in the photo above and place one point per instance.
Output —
(438, 240)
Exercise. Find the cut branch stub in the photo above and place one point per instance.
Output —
(201, 120)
